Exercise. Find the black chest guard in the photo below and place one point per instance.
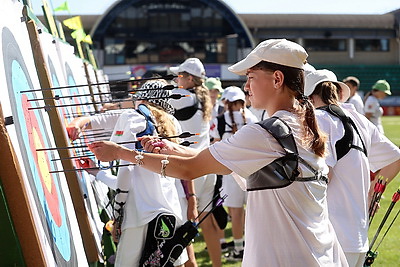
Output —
(185, 114)
(284, 170)
(344, 145)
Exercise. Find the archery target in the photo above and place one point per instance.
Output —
(54, 65)
(50, 200)
(75, 75)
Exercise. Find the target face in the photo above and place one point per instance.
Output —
(33, 132)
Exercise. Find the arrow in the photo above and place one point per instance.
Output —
(74, 147)
(173, 96)
(166, 77)
(98, 137)
(93, 168)
(371, 255)
(81, 114)
(187, 143)
(76, 157)
(57, 97)
(379, 188)
(395, 198)
(182, 135)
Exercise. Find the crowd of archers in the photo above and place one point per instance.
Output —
(283, 147)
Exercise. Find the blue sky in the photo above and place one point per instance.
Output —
(252, 6)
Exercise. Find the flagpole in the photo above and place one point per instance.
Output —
(52, 10)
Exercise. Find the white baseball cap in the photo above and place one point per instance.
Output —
(308, 68)
(312, 79)
(279, 51)
(191, 65)
(233, 93)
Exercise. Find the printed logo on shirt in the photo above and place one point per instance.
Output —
(119, 133)
(165, 226)
(165, 232)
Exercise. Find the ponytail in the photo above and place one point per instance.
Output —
(328, 92)
(314, 137)
(203, 95)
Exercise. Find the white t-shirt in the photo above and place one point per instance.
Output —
(372, 106)
(260, 114)
(238, 118)
(235, 196)
(357, 102)
(149, 193)
(218, 108)
(350, 181)
(106, 120)
(287, 226)
(196, 124)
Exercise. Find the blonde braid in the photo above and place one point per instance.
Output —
(203, 94)
(164, 124)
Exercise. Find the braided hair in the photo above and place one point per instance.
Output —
(203, 95)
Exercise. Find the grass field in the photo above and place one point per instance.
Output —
(388, 251)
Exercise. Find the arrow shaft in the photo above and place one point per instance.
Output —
(387, 230)
(75, 157)
(167, 77)
(94, 168)
(105, 102)
(167, 87)
(381, 225)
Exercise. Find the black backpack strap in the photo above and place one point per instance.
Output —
(221, 110)
(344, 145)
(221, 123)
(263, 114)
(186, 113)
(284, 170)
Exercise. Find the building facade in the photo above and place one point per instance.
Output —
(135, 36)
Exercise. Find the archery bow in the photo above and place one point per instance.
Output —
(372, 254)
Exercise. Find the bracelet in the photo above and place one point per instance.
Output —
(139, 157)
(192, 195)
(164, 164)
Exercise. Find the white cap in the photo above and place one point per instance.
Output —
(318, 76)
(191, 65)
(279, 51)
(308, 68)
(233, 93)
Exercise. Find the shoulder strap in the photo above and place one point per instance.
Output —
(220, 110)
(221, 125)
(186, 113)
(283, 134)
(150, 125)
(344, 145)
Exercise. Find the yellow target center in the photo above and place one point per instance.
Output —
(42, 161)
